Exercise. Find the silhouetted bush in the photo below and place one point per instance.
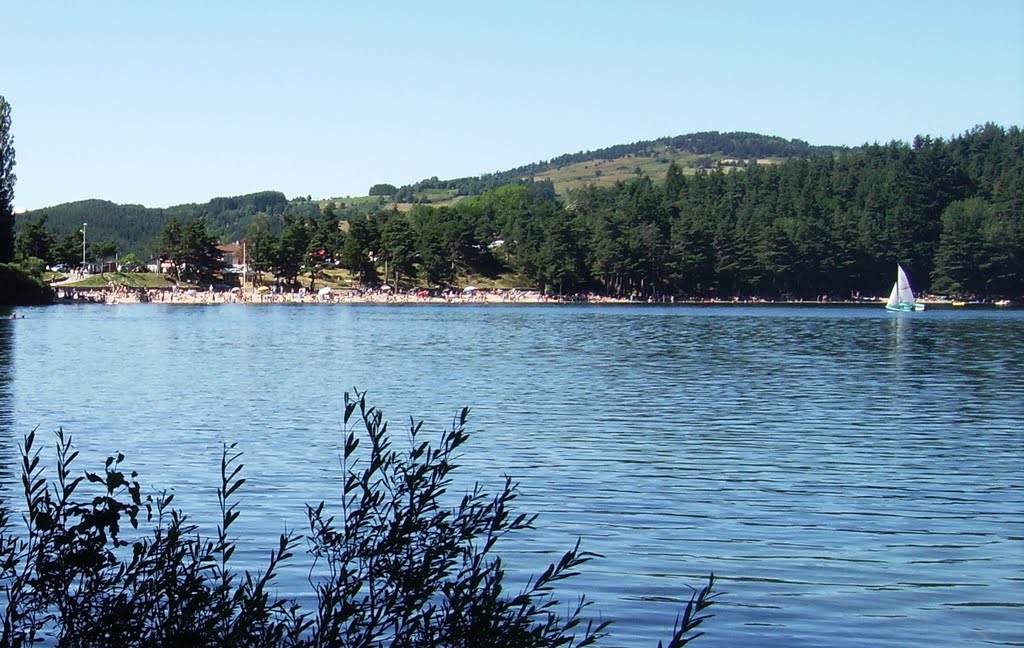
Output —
(19, 288)
(394, 567)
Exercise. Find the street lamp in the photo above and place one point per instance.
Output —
(83, 246)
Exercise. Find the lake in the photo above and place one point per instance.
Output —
(852, 477)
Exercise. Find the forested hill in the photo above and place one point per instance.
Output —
(651, 157)
(832, 222)
(950, 211)
(133, 227)
(736, 144)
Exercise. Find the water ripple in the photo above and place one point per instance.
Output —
(852, 478)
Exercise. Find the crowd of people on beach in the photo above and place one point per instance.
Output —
(278, 294)
(119, 294)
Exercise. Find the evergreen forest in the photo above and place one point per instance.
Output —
(809, 222)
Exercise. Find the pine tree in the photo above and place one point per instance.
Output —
(7, 179)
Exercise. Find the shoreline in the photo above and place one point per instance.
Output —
(119, 295)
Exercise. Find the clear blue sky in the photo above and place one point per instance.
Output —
(162, 103)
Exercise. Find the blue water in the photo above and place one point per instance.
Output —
(852, 477)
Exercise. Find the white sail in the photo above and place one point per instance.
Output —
(894, 296)
(904, 292)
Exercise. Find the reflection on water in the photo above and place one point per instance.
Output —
(900, 324)
(852, 476)
(8, 445)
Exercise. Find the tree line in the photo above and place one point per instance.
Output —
(831, 225)
(836, 225)
(949, 211)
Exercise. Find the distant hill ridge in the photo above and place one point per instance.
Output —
(740, 144)
(132, 227)
(733, 144)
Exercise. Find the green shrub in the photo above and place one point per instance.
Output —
(394, 567)
(33, 266)
(19, 288)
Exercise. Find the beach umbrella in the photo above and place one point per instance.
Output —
(469, 289)
(263, 289)
(323, 292)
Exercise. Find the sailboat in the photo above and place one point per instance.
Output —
(901, 299)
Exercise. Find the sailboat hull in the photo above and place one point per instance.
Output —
(905, 307)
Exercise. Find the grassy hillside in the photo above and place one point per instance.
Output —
(655, 164)
(605, 166)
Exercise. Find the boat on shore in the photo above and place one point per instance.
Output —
(901, 299)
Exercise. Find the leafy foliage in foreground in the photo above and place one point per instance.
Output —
(395, 567)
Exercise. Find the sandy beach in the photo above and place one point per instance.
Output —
(126, 295)
(68, 293)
